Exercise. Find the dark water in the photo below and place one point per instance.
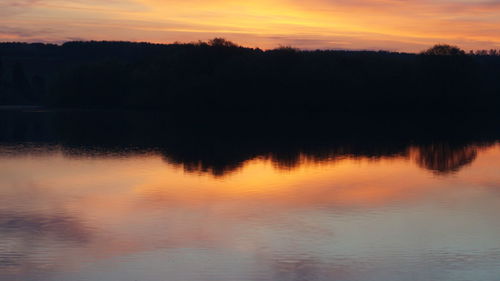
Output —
(115, 197)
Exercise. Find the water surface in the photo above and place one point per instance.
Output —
(418, 211)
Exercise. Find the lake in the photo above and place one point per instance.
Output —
(113, 199)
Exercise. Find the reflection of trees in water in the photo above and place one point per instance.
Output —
(443, 158)
(219, 144)
(221, 159)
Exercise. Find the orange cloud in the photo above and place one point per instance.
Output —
(361, 24)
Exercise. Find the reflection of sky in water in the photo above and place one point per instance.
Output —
(139, 218)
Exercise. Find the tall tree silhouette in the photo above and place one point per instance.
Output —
(444, 50)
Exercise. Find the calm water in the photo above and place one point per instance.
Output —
(414, 212)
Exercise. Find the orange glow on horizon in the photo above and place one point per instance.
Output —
(334, 24)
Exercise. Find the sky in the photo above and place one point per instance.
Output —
(394, 25)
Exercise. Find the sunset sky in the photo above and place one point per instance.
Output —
(401, 25)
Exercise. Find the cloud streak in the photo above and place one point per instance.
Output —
(360, 24)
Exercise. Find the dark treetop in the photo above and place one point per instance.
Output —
(221, 76)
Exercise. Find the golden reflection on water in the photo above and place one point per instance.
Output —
(73, 215)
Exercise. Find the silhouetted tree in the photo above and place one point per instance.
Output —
(20, 85)
(1, 71)
(219, 75)
(221, 42)
(287, 48)
(2, 87)
(444, 50)
(19, 80)
(1, 75)
(38, 88)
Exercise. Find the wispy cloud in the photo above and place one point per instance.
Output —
(359, 24)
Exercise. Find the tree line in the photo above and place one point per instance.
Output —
(220, 75)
